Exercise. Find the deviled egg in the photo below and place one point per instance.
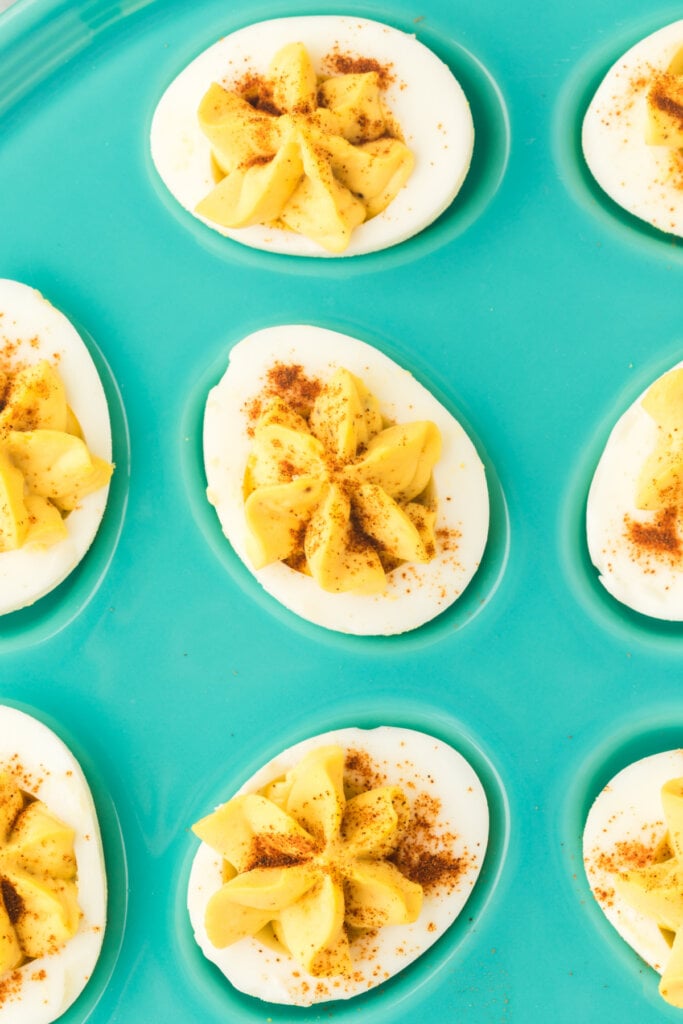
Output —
(337, 864)
(55, 447)
(633, 130)
(633, 855)
(635, 503)
(53, 892)
(353, 496)
(314, 136)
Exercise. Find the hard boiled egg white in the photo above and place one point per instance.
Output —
(647, 180)
(47, 770)
(31, 330)
(412, 598)
(425, 99)
(419, 764)
(628, 814)
(649, 581)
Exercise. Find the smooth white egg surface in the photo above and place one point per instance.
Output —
(443, 846)
(639, 551)
(625, 829)
(646, 179)
(31, 330)
(423, 97)
(45, 770)
(415, 592)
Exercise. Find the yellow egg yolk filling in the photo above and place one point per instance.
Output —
(39, 909)
(665, 106)
(306, 865)
(318, 157)
(46, 468)
(660, 484)
(657, 891)
(340, 495)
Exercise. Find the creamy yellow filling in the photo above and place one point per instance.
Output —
(340, 495)
(39, 909)
(665, 106)
(661, 479)
(657, 891)
(318, 157)
(46, 468)
(308, 866)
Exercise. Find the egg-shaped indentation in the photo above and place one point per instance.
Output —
(394, 841)
(635, 501)
(632, 133)
(61, 502)
(633, 858)
(53, 896)
(382, 501)
(366, 143)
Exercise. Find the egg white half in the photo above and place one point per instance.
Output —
(40, 331)
(634, 174)
(49, 771)
(629, 810)
(412, 597)
(650, 585)
(414, 761)
(426, 100)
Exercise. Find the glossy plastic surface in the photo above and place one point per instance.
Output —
(535, 309)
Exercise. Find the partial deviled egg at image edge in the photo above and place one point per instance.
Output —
(633, 857)
(634, 520)
(55, 447)
(632, 133)
(54, 888)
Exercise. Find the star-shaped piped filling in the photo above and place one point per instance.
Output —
(39, 909)
(657, 891)
(315, 157)
(659, 489)
(661, 479)
(46, 467)
(340, 495)
(309, 866)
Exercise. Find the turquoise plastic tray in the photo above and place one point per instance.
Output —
(535, 309)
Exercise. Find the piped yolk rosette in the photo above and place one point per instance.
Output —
(656, 890)
(46, 468)
(309, 866)
(39, 909)
(661, 479)
(358, 494)
(337, 864)
(665, 108)
(340, 495)
(53, 884)
(316, 135)
(634, 514)
(318, 157)
(633, 856)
